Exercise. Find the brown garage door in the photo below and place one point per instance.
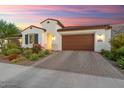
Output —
(78, 42)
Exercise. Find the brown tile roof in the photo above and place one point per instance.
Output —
(71, 28)
(59, 23)
(34, 27)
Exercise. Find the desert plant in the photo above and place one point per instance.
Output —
(13, 51)
(120, 62)
(34, 57)
(27, 52)
(46, 52)
(107, 54)
(4, 51)
(11, 45)
(117, 41)
(41, 54)
(120, 51)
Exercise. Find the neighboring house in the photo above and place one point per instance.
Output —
(16, 39)
(54, 36)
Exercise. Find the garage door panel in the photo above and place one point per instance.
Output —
(78, 42)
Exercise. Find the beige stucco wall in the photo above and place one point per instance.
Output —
(52, 27)
(106, 37)
(40, 33)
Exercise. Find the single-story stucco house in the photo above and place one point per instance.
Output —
(54, 35)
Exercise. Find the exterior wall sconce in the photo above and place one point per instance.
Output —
(53, 38)
(100, 38)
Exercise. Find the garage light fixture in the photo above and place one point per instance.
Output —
(100, 37)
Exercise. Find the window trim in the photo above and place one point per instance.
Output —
(28, 41)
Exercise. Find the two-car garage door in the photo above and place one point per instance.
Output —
(78, 42)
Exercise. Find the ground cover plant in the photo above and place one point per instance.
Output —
(117, 52)
(15, 54)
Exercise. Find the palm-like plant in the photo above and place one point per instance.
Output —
(7, 30)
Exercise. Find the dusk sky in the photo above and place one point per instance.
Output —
(24, 16)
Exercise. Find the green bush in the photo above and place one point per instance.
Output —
(46, 52)
(4, 51)
(107, 54)
(120, 62)
(27, 52)
(117, 41)
(13, 51)
(34, 57)
(11, 45)
(41, 54)
(120, 51)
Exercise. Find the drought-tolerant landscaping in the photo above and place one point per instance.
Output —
(11, 52)
(117, 52)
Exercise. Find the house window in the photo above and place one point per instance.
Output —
(31, 38)
(36, 38)
(26, 39)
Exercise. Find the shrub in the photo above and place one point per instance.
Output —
(41, 54)
(11, 45)
(107, 54)
(46, 52)
(4, 51)
(27, 52)
(36, 48)
(34, 57)
(120, 51)
(117, 41)
(13, 51)
(120, 62)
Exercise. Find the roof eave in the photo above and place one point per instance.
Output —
(61, 30)
(34, 27)
(58, 22)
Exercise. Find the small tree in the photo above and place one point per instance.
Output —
(7, 30)
(117, 41)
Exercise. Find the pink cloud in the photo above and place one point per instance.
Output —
(24, 14)
(88, 21)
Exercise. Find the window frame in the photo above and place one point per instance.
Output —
(33, 38)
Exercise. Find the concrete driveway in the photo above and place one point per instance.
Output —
(63, 69)
(83, 62)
